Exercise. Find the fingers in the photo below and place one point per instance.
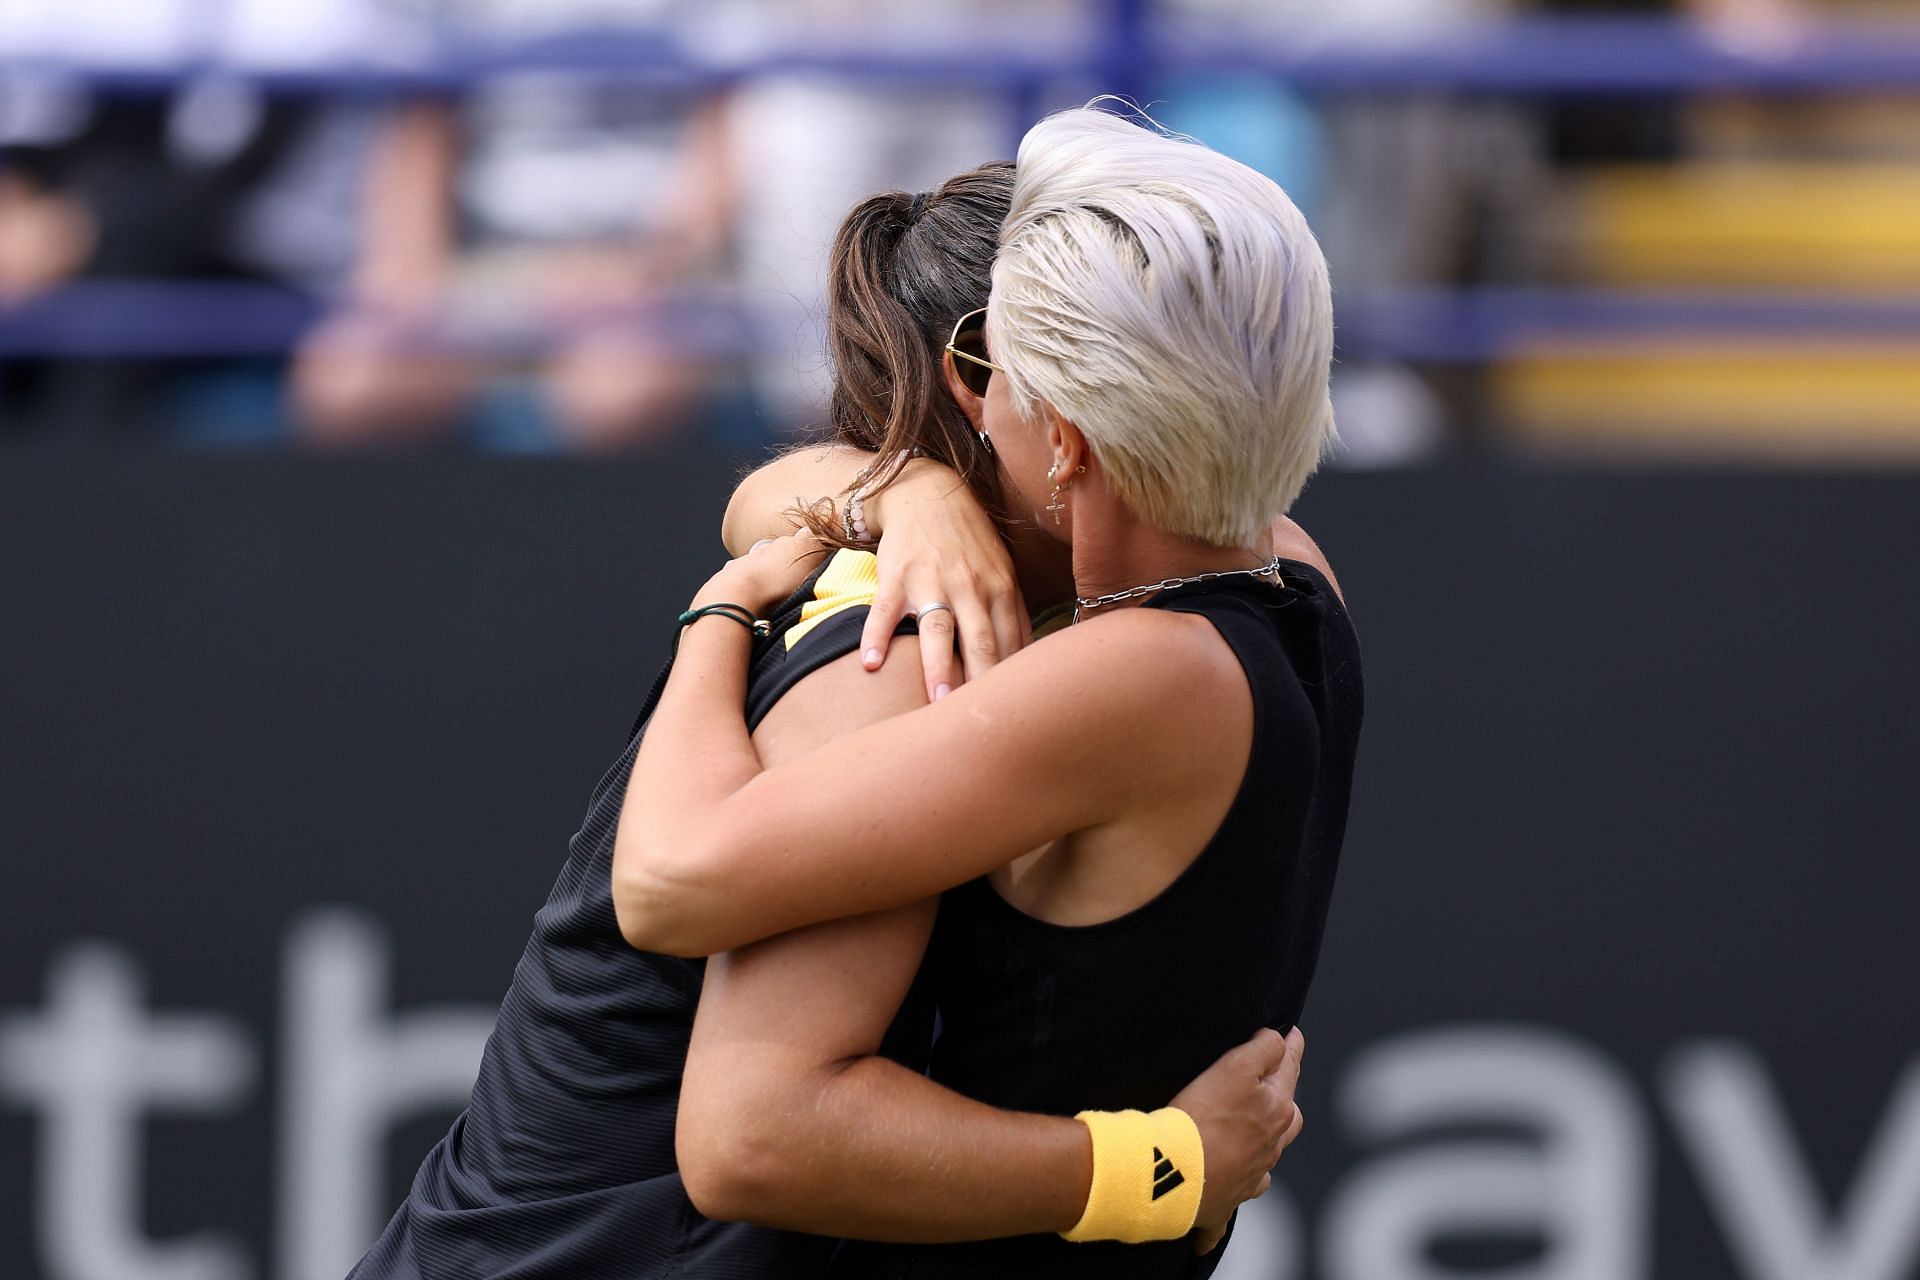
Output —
(1012, 629)
(774, 567)
(877, 636)
(1266, 1052)
(1286, 1073)
(936, 653)
(798, 544)
(979, 637)
(1294, 1127)
(937, 663)
(802, 547)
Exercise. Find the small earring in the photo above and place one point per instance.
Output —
(985, 441)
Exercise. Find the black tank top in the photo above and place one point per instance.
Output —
(1039, 1017)
(562, 1165)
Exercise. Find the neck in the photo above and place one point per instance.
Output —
(1114, 550)
(1043, 565)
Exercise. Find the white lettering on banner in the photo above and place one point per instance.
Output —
(93, 1065)
(1267, 1239)
(95, 1062)
(352, 1071)
(1583, 1183)
(1732, 1125)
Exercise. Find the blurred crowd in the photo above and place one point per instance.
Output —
(572, 255)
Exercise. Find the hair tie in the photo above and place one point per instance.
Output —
(918, 207)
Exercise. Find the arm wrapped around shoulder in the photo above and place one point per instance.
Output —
(1148, 1172)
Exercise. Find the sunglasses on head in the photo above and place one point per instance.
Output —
(968, 347)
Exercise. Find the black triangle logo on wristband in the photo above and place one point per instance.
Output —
(1165, 1176)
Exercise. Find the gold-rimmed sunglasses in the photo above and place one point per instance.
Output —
(969, 345)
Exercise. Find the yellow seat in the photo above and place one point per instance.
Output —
(1801, 396)
(1808, 226)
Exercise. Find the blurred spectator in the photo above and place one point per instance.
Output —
(520, 253)
(130, 193)
(809, 146)
(212, 180)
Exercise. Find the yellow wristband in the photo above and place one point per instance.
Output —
(1148, 1172)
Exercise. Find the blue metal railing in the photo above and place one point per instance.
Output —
(1441, 326)
(1541, 57)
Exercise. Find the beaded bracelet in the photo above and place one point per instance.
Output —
(853, 518)
(759, 627)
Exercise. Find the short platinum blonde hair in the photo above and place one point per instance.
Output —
(1173, 304)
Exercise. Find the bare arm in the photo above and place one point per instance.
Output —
(759, 505)
(786, 1116)
(714, 852)
(936, 543)
(789, 1119)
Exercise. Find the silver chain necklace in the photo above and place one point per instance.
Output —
(1167, 584)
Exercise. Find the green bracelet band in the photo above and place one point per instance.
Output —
(759, 627)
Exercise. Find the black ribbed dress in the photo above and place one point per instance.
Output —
(562, 1165)
(1037, 1017)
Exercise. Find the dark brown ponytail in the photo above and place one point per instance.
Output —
(904, 269)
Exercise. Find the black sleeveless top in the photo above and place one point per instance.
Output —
(1039, 1017)
(562, 1165)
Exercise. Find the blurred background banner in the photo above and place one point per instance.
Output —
(1619, 982)
(300, 698)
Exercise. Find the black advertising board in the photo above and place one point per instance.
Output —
(1620, 981)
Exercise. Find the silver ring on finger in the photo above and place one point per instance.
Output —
(933, 607)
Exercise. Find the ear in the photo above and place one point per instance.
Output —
(1068, 444)
(970, 404)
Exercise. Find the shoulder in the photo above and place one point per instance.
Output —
(1132, 664)
(819, 624)
(1137, 634)
(1292, 542)
(839, 695)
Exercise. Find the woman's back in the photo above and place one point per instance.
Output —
(1121, 1014)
